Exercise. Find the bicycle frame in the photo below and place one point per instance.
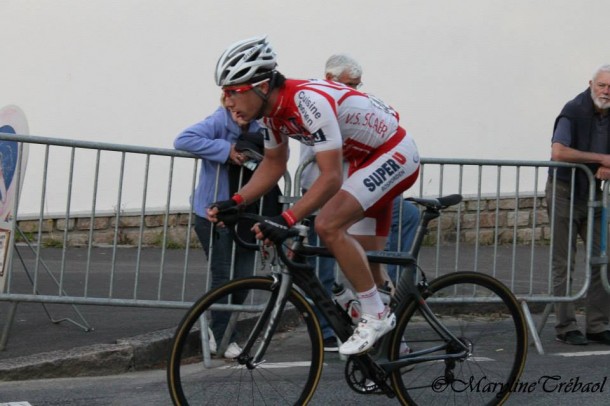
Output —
(302, 275)
(460, 345)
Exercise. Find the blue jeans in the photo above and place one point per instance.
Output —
(220, 266)
(406, 229)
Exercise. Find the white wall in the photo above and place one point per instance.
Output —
(470, 78)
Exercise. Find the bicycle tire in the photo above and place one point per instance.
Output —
(494, 327)
(291, 367)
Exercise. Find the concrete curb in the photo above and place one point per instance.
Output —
(138, 353)
(129, 354)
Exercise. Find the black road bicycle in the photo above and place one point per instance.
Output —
(460, 339)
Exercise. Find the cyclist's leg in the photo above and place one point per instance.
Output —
(368, 190)
(374, 243)
(371, 233)
(332, 223)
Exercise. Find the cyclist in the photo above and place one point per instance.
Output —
(365, 159)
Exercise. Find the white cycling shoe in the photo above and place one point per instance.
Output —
(369, 330)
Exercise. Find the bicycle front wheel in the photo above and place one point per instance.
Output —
(486, 319)
(287, 374)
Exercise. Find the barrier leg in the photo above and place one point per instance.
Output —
(84, 324)
(545, 315)
(205, 341)
(532, 327)
(7, 326)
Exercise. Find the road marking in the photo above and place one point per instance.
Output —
(582, 354)
(274, 365)
(16, 404)
(278, 365)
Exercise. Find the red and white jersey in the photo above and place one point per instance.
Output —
(328, 115)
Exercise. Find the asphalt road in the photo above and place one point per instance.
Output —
(546, 383)
(34, 334)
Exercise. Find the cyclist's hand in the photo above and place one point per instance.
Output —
(274, 229)
(224, 212)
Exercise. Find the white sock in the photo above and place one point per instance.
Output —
(371, 302)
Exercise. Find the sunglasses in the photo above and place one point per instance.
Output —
(354, 85)
(231, 91)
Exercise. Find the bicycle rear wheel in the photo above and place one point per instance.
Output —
(485, 316)
(290, 368)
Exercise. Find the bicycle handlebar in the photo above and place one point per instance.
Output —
(299, 249)
(295, 231)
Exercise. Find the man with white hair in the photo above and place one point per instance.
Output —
(581, 135)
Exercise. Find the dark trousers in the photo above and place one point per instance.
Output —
(220, 261)
(564, 244)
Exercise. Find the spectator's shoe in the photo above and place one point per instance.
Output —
(233, 350)
(330, 344)
(573, 337)
(603, 337)
(213, 346)
(404, 350)
(370, 329)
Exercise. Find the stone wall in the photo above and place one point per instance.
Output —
(506, 219)
(77, 231)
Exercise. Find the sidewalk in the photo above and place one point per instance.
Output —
(131, 339)
(43, 343)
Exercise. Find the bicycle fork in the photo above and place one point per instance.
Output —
(268, 320)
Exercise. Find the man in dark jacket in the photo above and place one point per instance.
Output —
(581, 135)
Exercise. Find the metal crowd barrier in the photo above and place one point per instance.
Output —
(101, 271)
(523, 264)
(520, 257)
(469, 237)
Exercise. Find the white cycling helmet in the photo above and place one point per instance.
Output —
(244, 61)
